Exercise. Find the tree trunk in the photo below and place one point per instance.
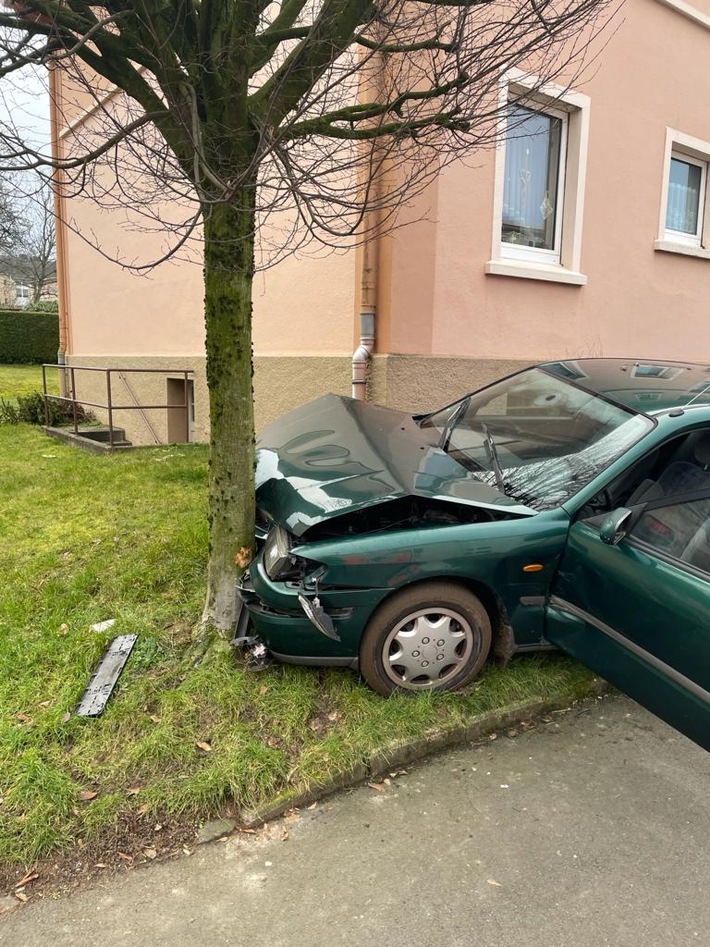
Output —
(228, 273)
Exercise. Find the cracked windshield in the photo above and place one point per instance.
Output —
(537, 438)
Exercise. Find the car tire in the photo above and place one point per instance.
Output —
(439, 630)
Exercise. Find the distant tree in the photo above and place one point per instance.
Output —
(334, 110)
(36, 246)
(12, 224)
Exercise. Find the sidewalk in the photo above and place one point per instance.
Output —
(588, 831)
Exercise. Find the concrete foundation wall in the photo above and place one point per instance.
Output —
(409, 382)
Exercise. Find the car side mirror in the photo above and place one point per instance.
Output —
(615, 526)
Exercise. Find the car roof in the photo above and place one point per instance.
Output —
(646, 385)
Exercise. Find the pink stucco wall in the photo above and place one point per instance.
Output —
(637, 301)
(436, 298)
(302, 305)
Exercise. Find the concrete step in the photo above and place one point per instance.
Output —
(86, 441)
(102, 433)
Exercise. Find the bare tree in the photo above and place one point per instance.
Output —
(32, 253)
(321, 113)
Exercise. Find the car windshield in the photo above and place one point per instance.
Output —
(537, 437)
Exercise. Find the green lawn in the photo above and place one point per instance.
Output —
(23, 379)
(87, 538)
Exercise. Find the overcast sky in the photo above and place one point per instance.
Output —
(24, 105)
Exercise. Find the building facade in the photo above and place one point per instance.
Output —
(585, 232)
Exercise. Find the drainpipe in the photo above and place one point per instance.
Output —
(363, 353)
(368, 298)
(369, 275)
(62, 284)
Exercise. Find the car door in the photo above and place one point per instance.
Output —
(631, 600)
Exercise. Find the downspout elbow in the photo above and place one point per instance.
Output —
(363, 354)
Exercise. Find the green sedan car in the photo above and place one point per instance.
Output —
(565, 506)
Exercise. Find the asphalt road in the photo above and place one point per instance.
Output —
(591, 830)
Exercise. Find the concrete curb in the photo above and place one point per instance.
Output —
(403, 752)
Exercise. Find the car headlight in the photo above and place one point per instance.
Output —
(277, 549)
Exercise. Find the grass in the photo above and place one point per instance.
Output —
(23, 380)
(87, 538)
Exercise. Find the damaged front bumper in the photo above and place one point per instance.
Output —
(279, 619)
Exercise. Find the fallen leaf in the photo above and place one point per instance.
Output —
(63, 629)
(248, 831)
(492, 881)
(46, 703)
(133, 790)
(263, 690)
(142, 810)
(158, 828)
(100, 865)
(87, 794)
(380, 787)
(66, 717)
(150, 853)
(284, 835)
(243, 557)
(204, 746)
(21, 896)
(126, 858)
(23, 718)
(154, 718)
(312, 805)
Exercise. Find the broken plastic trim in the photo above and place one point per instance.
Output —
(106, 676)
(318, 616)
(258, 655)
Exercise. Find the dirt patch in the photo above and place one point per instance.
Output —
(134, 841)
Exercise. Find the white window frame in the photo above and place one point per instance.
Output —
(694, 151)
(538, 254)
(562, 264)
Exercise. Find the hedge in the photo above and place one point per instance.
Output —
(28, 336)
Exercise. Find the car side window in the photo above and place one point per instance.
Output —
(681, 465)
(678, 530)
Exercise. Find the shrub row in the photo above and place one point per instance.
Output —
(30, 409)
(28, 337)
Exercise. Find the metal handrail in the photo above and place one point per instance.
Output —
(110, 406)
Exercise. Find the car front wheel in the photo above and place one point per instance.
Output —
(431, 637)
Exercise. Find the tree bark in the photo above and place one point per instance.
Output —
(228, 275)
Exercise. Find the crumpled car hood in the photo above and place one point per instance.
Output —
(337, 455)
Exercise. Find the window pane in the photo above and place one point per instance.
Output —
(532, 171)
(683, 196)
(681, 531)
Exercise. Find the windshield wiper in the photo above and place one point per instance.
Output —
(451, 424)
(492, 455)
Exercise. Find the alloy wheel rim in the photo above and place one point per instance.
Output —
(427, 648)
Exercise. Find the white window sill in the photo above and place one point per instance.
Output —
(687, 249)
(541, 271)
